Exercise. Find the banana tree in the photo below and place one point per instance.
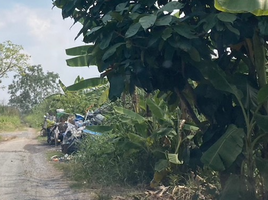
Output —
(163, 135)
(211, 62)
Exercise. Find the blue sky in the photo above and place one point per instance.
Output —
(44, 35)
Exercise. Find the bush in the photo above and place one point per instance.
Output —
(101, 161)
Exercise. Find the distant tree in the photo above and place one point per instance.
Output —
(11, 58)
(31, 87)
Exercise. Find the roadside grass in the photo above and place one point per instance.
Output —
(1, 138)
(10, 123)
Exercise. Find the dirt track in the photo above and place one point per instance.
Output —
(25, 173)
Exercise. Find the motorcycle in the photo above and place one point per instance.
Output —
(48, 123)
(55, 135)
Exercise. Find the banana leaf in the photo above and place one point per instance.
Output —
(256, 7)
(88, 83)
(130, 114)
(224, 152)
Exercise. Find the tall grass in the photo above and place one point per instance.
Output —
(9, 118)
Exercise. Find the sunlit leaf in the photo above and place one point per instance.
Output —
(171, 6)
(130, 114)
(257, 7)
(88, 83)
(80, 50)
(173, 158)
(79, 61)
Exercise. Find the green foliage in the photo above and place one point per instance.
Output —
(86, 97)
(257, 7)
(9, 118)
(100, 161)
(31, 87)
(200, 59)
(222, 154)
(12, 59)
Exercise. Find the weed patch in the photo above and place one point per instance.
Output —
(9, 123)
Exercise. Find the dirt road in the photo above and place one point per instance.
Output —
(25, 173)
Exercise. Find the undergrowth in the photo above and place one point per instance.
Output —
(100, 162)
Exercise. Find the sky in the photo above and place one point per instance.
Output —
(44, 35)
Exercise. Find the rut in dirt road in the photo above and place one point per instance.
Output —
(25, 174)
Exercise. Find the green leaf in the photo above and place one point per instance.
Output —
(117, 16)
(167, 33)
(218, 79)
(185, 31)
(257, 7)
(262, 121)
(155, 109)
(100, 129)
(262, 166)
(106, 41)
(164, 21)
(63, 87)
(80, 50)
(79, 61)
(171, 6)
(132, 30)
(232, 188)
(141, 129)
(161, 165)
(194, 54)
(263, 94)
(232, 29)
(190, 127)
(111, 51)
(93, 30)
(185, 45)
(209, 22)
(88, 83)
(106, 18)
(173, 158)
(117, 86)
(136, 139)
(226, 17)
(128, 113)
(121, 7)
(224, 152)
(147, 21)
(165, 132)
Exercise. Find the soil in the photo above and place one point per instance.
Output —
(26, 174)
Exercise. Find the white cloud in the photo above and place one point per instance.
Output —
(44, 35)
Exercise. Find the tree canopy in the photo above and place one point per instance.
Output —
(12, 58)
(31, 87)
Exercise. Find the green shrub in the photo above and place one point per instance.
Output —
(102, 161)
